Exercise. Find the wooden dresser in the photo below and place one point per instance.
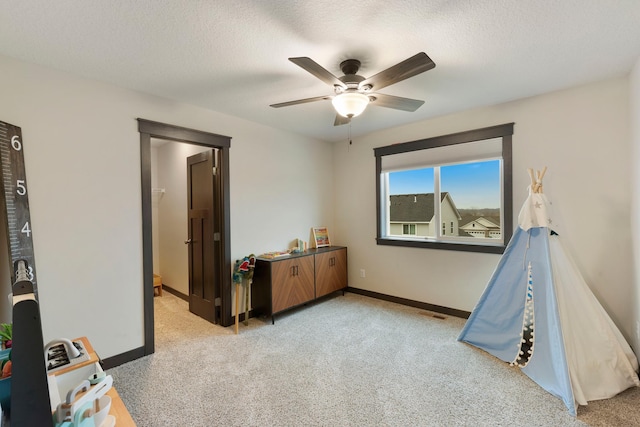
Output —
(283, 283)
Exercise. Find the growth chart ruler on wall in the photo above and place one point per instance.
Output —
(15, 201)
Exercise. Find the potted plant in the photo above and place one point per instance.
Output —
(6, 333)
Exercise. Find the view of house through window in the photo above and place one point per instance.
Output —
(449, 192)
(469, 201)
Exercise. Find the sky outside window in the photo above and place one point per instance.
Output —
(472, 185)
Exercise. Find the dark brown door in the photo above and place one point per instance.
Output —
(203, 240)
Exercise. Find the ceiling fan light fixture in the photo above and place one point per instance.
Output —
(350, 104)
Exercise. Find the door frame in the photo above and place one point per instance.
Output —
(150, 129)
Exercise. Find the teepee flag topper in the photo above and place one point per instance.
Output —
(535, 210)
(538, 313)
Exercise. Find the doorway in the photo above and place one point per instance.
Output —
(220, 144)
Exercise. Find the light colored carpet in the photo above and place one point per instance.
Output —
(345, 361)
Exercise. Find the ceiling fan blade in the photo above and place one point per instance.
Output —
(341, 120)
(410, 67)
(317, 70)
(301, 101)
(396, 102)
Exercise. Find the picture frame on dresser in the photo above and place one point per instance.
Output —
(321, 237)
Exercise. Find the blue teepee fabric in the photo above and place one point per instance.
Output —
(496, 323)
(538, 313)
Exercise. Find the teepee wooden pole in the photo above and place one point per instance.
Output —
(541, 174)
(539, 180)
(536, 183)
(532, 177)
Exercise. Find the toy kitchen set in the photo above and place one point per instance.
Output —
(80, 393)
(79, 390)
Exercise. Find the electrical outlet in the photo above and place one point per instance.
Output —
(362, 274)
(638, 330)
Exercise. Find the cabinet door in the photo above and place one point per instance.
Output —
(331, 272)
(292, 282)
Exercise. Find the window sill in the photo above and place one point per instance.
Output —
(415, 243)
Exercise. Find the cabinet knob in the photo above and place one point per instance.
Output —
(186, 242)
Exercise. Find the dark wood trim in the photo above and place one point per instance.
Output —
(507, 187)
(225, 244)
(504, 131)
(378, 198)
(119, 359)
(147, 245)
(385, 241)
(181, 134)
(450, 139)
(411, 303)
(149, 129)
(175, 292)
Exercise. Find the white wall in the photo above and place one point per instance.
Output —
(81, 147)
(83, 171)
(172, 221)
(581, 134)
(635, 197)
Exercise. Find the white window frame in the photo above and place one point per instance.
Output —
(433, 152)
(441, 233)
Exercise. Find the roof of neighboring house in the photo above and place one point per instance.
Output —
(484, 222)
(413, 207)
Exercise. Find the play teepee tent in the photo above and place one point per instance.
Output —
(538, 313)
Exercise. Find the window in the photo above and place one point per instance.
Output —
(463, 180)
(409, 229)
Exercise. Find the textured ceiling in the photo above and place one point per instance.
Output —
(231, 56)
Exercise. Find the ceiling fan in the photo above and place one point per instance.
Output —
(352, 92)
